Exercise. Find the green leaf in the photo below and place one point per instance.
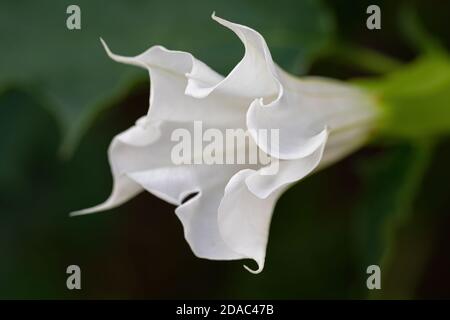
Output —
(416, 34)
(37, 192)
(392, 181)
(69, 71)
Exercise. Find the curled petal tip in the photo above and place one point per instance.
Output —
(260, 268)
(218, 19)
(108, 51)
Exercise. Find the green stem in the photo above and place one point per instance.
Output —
(364, 58)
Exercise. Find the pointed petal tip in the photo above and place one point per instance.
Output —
(80, 213)
(122, 59)
(105, 46)
(108, 50)
(76, 214)
(98, 208)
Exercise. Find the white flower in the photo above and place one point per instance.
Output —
(319, 122)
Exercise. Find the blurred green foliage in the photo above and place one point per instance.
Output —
(69, 71)
(387, 204)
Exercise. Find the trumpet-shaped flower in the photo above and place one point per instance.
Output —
(319, 121)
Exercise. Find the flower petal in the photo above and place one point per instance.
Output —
(252, 77)
(303, 111)
(244, 219)
(141, 156)
(124, 189)
(168, 101)
(250, 196)
(262, 184)
(255, 95)
(140, 159)
(199, 218)
(119, 152)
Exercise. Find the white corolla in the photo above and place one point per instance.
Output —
(318, 122)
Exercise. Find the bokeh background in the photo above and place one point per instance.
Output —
(62, 100)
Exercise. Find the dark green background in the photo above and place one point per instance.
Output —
(62, 100)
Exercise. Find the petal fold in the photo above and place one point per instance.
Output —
(318, 122)
(244, 219)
